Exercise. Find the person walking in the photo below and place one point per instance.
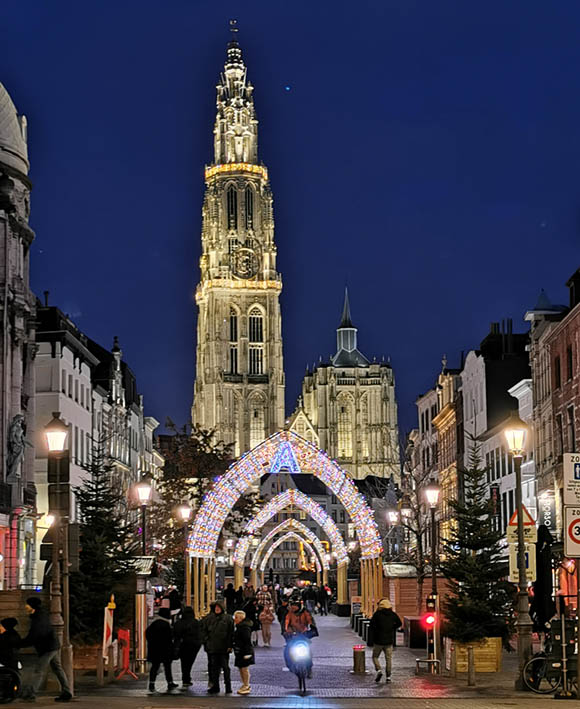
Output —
(42, 637)
(250, 608)
(187, 637)
(9, 643)
(159, 637)
(217, 636)
(230, 598)
(239, 598)
(322, 598)
(382, 629)
(243, 649)
(266, 620)
(282, 612)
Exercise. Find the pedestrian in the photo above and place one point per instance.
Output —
(187, 638)
(230, 598)
(382, 629)
(263, 597)
(217, 636)
(159, 637)
(250, 608)
(249, 592)
(322, 600)
(9, 643)
(298, 619)
(174, 603)
(266, 620)
(42, 637)
(282, 612)
(243, 649)
(239, 597)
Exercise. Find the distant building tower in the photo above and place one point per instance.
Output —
(348, 407)
(239, 384)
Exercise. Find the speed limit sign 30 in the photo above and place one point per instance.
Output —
(572, 532)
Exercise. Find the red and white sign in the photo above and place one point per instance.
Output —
(530, 529)
(572, 532)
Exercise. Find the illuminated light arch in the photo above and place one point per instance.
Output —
(287, 451)
(292, 498)
(285, 538)
(288, 524)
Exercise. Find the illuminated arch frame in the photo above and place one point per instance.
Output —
(285, 538)
(287, 451)
(298, 499)
(287, 524)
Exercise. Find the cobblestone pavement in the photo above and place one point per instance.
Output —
(332, 679)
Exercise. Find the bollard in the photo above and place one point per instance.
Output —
(358, 660)
(100, 670)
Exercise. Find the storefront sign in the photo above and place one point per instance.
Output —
(547, 511)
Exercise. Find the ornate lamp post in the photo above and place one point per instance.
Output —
(432, 492)
(515, 434)
(58, 475)
(184, 512)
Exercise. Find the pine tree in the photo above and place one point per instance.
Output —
(480, 602)
(107, 548)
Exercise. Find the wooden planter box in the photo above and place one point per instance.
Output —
(487, 654)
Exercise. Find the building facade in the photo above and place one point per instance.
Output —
(348, 404)
(239, 383)
(17, 352)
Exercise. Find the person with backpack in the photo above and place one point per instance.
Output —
(159, 637)
(218, 636)
(187, 638)
(382, 628)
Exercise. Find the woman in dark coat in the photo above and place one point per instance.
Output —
(9, 643)
(160, 648)
(187, 636)
(243, 649)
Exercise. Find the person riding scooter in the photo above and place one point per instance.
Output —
(299, 628)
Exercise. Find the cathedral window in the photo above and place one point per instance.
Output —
(233, 359)
(257, 424)
(232, 245)
(344, 428)
(232, 201)
(233, 326)
(256, 325)
(249, 208)
(256, 360)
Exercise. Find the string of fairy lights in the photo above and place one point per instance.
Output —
(287, 524)
(286, 538)
(286, 451)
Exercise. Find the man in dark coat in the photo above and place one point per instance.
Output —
(243, 649)
(9, 643)
(160, 649)
(187, 635)
(382, 629)
(230, 598)
(42, 637)
(282, 612)
(218, 636)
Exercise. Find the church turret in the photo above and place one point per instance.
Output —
(347, 353)
(239, 386)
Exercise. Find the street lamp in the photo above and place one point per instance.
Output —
(58, 477)
(144, 490)
(515, 435)
(432, 492)
(184, 512)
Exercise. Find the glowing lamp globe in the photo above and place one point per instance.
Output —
(393, 516)
(515, 435)
(143, 491)
(432, 492)
(56, 432)
(184, 511)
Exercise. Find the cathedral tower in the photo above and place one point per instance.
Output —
(239, 385)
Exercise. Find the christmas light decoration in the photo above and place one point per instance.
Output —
(288, 524)
(236, 167)
(261, 459)
(285, 538)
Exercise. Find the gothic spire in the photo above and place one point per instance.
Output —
(346, 319)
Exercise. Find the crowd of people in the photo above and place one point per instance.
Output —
(232, 626)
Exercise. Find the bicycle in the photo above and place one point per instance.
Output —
(10, 685)
(542, 674)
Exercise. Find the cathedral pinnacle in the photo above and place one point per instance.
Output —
(346, 319)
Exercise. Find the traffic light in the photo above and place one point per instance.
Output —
(430, 617)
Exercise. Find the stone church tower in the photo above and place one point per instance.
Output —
(348, 408)
(239, 385)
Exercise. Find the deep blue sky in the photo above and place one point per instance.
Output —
(427, 153)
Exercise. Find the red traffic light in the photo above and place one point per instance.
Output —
(429, 620)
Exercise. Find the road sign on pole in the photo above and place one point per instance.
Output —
(572, 479)
(572, 532)
(530, 529)
(530, 558)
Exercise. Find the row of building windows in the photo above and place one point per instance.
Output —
(232, 207)
(256, 338)
(569, 368)
(284, 563)
(75, 389)
(570, 432)
(81, 447)
(426, 420)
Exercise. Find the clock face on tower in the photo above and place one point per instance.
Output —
(245, 263)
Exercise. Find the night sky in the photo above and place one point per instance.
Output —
(426, 153)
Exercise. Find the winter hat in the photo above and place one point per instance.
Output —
(34, 602)
(9, 623)
(385, 604)
(165, 613)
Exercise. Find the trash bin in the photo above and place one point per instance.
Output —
(358, 660)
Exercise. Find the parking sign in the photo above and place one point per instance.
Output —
(572, 478)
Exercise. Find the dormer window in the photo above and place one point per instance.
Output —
(232, 204)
